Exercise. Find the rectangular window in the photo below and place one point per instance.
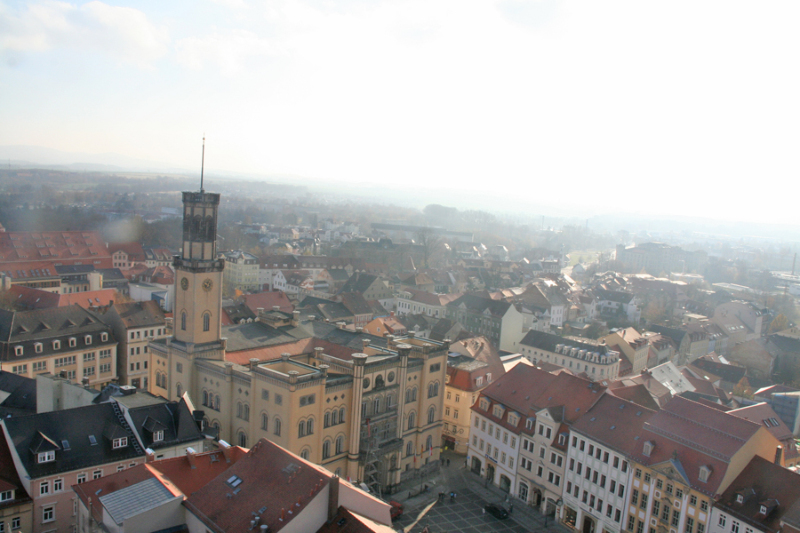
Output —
(48, 513)
(97, 474)
(46, 457)
(15, 523)
(631, 523)
(640, 527)
(693, 499)
(635, 497)
(689, 525)
(81, 478)
(44, 488)
(58, 485)
(120, 443)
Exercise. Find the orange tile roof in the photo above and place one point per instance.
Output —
(65, 247)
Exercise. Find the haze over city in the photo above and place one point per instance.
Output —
(679, 108)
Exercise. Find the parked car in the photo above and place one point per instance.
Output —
(396, 510)
(497, 511)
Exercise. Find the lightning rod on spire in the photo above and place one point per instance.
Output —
(202, 163)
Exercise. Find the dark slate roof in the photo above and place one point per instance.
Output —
(729, 373)
(21, 394)
(69, 432)
(548, 341)
(237, 312)
(173, 418)
(614, 296)
(359, 282)
(258, 334)
(9, 477)
(45, 325)
(675, 334)
(343, 337)
(111, 274)
(479, 304)
(335, 311)
(356, 304)
(785, 344)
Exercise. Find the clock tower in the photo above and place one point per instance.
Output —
(198, 274)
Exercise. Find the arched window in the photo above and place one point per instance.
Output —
(341, 415)
(239, 410)
(433, 390)
(310, 426)
(246, 412)
(216, 402)
(409, 449)
(414, 394)
(339, 444)
(264, 421)
(379, 382)
(301, 429)
(206, 321)
(412, 421)
(408, 395)
(429, 443)
(276, 426)
(242, 439)
(326, 421)
(178, 390)
(431, 415)
(304, 454)
(205, 397)
(326, 449)
(183, 320)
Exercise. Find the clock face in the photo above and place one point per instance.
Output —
(207, 284)
(184, 283)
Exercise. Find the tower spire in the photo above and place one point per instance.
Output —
(202, 162)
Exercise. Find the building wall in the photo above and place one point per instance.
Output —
(584, 495)
(458, 427)
(21, 513)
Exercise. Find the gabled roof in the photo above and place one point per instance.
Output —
(759, 482)
(693, 436)
(359, 282)
(72, 431)
(140, 314)
(227, 503)
(478, 304)
(173, 418)
(763, 414)
(355, 303)
(9, 478)
(614, 422)
(17, 394)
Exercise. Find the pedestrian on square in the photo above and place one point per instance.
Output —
(448, 462)
(545, 521)
(510, 508)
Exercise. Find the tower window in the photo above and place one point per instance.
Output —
(206, 321)
(183, 321)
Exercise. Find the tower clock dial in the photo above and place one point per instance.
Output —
(184, 283)
(207, 284)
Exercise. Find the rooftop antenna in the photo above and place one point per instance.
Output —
(202, 162)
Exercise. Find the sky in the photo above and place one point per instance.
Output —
(683, 108)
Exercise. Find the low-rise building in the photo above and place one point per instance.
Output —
(61, 339)
(596, 361)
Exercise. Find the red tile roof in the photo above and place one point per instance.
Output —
(188, 477)
(30, 298)
(304, 346)
(614, 422)
(269, 480)
(268, 300)
(63, 247)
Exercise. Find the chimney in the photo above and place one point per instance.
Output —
(150, 456)
(365, 343)
(779, 455)
(295, 318)
(226, 450)
(190, 456)
(276, 307)
(333, 497)
(253, 364)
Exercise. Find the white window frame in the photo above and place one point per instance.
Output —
(121, 442)
(46, 457)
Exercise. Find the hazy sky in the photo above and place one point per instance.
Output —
(664, 107)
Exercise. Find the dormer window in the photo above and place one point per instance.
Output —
(488, 377)
(705, 472)
(158, 436)
(73, 342)
(18, 350)
(648, 448)
(120, 443)
(529, 424)
(56, 345)
(484, 404)
(498, 411)
(87, 339)
(37, 347)
(6, 495)
(562, 439)
(739, 498)
(46, 457)
(104, 336)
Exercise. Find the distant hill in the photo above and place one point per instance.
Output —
(38, 156)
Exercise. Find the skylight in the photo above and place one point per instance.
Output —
(92, 440)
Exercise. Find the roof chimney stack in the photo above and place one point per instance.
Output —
(333, 497)
(779, 455)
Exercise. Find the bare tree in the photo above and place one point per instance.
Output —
(430, 244)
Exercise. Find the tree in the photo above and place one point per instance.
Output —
(779, 323)
(429, 244)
